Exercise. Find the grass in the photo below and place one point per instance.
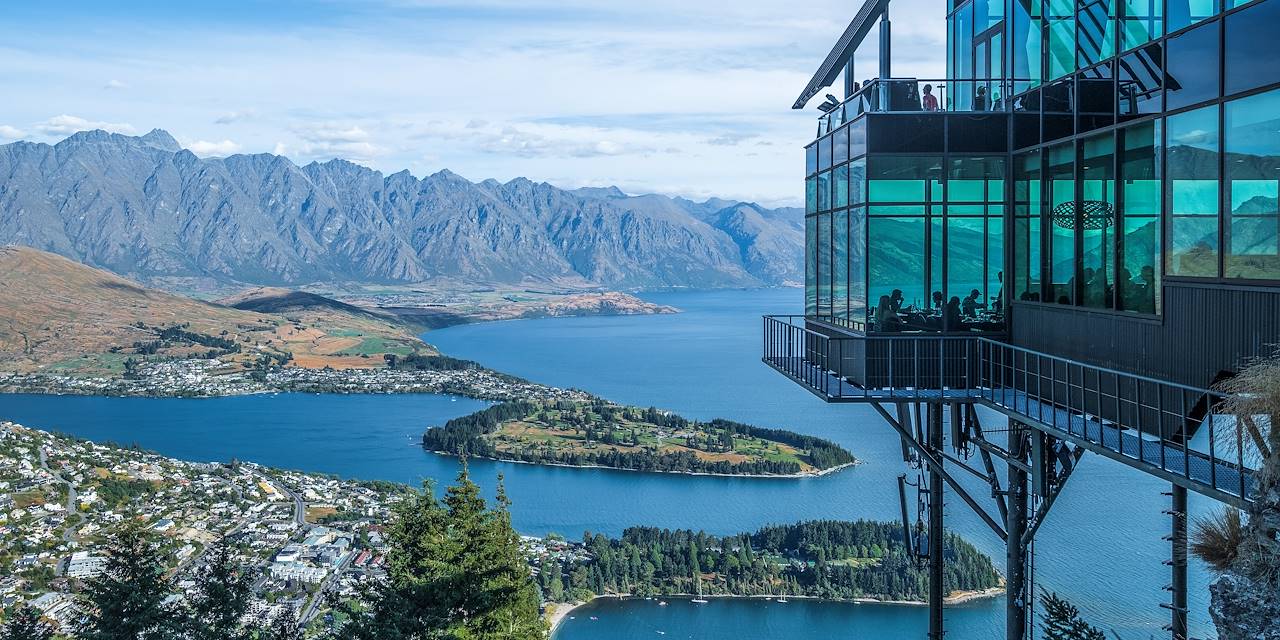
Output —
(315, 514)
(563, 432)
(372, 345)
(92, 363)
(28, 498)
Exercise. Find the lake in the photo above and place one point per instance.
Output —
(1100, 547)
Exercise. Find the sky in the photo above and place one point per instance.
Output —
(680, 97)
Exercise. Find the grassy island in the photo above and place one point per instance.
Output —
(603, 434)
(829, 560)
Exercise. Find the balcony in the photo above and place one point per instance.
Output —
(912, 95)
(1165, 429)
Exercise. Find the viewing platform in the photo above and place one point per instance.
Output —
(1162, 428)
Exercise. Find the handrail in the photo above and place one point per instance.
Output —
(1127, 416)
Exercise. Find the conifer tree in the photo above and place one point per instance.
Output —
(222, 597)
(26, 624)
(1062, 620)
(284, 627)
(128, 600)
(454, 571)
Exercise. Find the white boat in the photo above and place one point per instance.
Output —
(699, 600)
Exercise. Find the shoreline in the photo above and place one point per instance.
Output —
(760, 476)
(563, 610)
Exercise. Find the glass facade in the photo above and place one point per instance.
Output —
(1144, 148)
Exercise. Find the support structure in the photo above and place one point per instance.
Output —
(1016, 524)
(936, 537)
(1178, 562)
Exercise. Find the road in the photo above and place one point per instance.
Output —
(299, 506)
(309, 611)
(69, 534)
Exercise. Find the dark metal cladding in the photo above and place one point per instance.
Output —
(1206, 329)
(848, 43)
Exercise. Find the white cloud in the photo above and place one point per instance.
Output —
(232, 117)
(10, 133)
(115, 84)
(65, 125)
(337, 140)
(206, 148)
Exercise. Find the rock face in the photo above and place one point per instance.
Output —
(1245, 609)
(146, 208)
(1245, 602)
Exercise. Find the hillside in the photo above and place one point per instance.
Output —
(60, 316)
(147, 209)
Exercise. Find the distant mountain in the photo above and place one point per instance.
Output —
(146, 208)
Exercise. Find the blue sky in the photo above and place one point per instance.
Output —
(666, 96)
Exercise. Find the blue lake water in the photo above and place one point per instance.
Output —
(1101, 546)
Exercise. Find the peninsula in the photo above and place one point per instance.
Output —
(862, 561)
(598, 433)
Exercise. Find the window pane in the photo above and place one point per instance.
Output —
(895, 258)
(824, 153)
(1026, 40)
(840, 142)
(811, 159)
(1251, 47)
(840, 182)
(857, 265)
(1191, 68)
(1252, 148)
(1143, 22)
(840, 275)
(824, 191)
(1062, 237)
(1095, 217)
(904, 179)
(936, 258)
(857, 181)
(1096, 98)
(1139, 279)
(1192, 192)
(995, 262)
(1140, 83)
(858, 138)
(810, 266)
(1183, 13)
(1062, 48)
(1026, 227)
(976, 180)
(811, 195)
(966, 271)
(1097, 31)
(824, 265)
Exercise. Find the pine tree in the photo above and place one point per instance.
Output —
(455, 570)
(284, 627)
(1062, 620)
(127, 601)
(26, 624)
(222, 597)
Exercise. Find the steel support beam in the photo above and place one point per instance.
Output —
(1178, 563)
(936, 537)
(1016, 524)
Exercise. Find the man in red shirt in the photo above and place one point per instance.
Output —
(928, 101)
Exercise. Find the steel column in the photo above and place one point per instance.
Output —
(1016, 525)
(1178, 585)
(936, 593)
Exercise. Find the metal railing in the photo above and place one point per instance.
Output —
(908, 95)
(1142, 420)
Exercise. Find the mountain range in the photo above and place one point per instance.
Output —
(145, 208)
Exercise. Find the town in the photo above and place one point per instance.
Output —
(212, 377)
(307, 539)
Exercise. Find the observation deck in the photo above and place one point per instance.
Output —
(1165, 429)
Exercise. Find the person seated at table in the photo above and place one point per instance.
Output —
(972, 304)
(896, 299)
(887, 319)
(951, 317)
(937, 301)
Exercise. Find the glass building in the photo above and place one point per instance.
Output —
(1101, 157)
(1078, 229)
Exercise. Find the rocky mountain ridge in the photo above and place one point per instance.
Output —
(145, 208)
